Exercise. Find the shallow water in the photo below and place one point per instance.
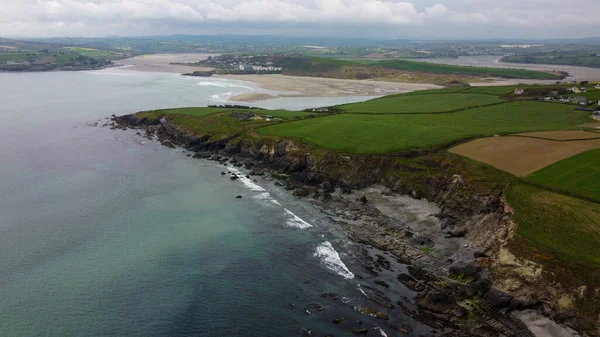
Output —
(104, 233)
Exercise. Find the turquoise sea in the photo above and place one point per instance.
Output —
(104, 233)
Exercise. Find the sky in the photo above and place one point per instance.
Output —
(437, 19)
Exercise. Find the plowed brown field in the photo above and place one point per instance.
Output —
(522, 155)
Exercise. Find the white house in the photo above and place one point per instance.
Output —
(597, 86)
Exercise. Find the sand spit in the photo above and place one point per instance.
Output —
(301, 86)
(163, 63)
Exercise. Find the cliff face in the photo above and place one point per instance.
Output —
(468, 209)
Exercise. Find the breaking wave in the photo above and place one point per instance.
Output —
(296, 221)
(332, 261)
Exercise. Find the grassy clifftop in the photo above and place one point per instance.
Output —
(556, 230)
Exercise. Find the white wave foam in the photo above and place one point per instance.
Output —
(212, 84)
(361, 290)
(383, 334)
(331, 259)
(296, 221)
(223, 85)
(246, 181)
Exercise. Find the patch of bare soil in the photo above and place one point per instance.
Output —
(522, 155)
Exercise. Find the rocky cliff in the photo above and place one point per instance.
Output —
(474, 295)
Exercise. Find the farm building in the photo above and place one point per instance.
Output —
(580, 100)
(575, 90)
(519, 91)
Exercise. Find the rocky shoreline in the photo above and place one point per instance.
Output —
(450, 266)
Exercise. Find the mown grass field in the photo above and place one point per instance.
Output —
(564, 226)
(427, 67)
(388, 133)
(578, 175)
(422, 103)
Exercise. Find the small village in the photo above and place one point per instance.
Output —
(243, 64)
(573, 95)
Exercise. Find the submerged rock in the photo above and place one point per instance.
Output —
(168, 144)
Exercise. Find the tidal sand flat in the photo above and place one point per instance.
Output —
(301, 86)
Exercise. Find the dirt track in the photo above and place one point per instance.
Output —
(522, 155)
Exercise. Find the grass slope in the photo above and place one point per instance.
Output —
(387, 133)
(422, 103)
(564, 226)
(578, 175)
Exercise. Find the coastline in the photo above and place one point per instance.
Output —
(300, 86)
(359, 206)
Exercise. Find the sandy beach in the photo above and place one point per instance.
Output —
(162, 63)
(283, 86)
(299, 86)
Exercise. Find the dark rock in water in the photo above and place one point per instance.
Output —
(331, 295)
(361, 331)
(277, 183)
(223, 173)
(338, 320)
(410, 282)
(247, 176)
(315, 306)
(234, 178)
(238, 165)
(168, 144)
(403, 329)
(201, 155)
(327, 186)
(382, 283)
(233, 161)
(188, 155)
(239, 197)
(364, 200)
(301, 192)
(257, 172)
(382, 262)
(346, 190)
(420, 274)
(305, 332)
(371, 312)
(289, 187)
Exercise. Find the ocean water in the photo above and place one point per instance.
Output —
(104, 233)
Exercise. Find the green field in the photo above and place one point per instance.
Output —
(387, 133)
(578, 175)
(421, 103)
(565, 226)
(589, 59)
(426, 67)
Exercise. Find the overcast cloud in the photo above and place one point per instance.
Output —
(366, 18)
